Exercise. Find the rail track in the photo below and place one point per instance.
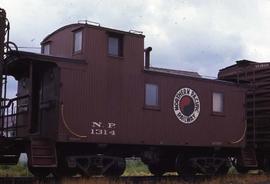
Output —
(92, 180)
(250, 178)
(16, 180)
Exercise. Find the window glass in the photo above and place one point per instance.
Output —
(151, 95)
(113, 46)
(218, 105)
(46, 49)
(77, 41)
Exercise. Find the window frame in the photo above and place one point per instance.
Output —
(120, 38)
(218, 113)
(74, 41)
(152, 107)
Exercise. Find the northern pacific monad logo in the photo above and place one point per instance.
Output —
(186, 105)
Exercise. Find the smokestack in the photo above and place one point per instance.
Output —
(147, 57)
(2, 41)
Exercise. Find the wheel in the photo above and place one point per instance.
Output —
(240, 168)
(156, 169)
(40, 172)
(223, 170)
(117, 169)
(188, 172)
(185, 168)
(61, 172)
(62, 169)
(266, 165)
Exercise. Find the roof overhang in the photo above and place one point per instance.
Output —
(17, 62)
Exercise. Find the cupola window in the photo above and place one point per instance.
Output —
(77, 41)
(46, 49)
(115, 44)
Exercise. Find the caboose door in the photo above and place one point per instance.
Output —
(48, 101)
(45, 84)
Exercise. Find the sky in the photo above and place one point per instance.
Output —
(194, 35)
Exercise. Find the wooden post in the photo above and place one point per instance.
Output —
(2, 41)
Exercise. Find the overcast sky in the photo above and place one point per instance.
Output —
(194, 35)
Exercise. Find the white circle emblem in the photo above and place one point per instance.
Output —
(186, 105)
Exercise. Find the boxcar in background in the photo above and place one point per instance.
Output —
(257, 77)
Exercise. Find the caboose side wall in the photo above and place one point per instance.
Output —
(123, 117)
(104, 101)
(211, 129)
(72, 96)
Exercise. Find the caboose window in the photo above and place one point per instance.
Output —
(151, 95)
(77, 41)
(46, 49)
(115, 45)
(218, 102)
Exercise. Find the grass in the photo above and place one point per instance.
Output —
(135, 167)
(14, 170)
(229, 179)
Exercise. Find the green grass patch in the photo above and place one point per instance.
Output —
(135, 167)
(14, 170)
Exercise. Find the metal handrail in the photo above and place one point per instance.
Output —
(9, 115)
(89, 22)
(12, 100)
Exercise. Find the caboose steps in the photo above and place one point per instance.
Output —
(249, 159)
(42, 153)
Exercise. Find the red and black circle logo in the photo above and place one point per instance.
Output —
(186, 105)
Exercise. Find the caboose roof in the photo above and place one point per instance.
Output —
(174, 72)
(98, 27)
(22, 55)
(18, 62)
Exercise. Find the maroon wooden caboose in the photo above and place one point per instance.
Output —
(91, 99)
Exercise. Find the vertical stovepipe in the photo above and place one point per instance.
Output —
(147, 57)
